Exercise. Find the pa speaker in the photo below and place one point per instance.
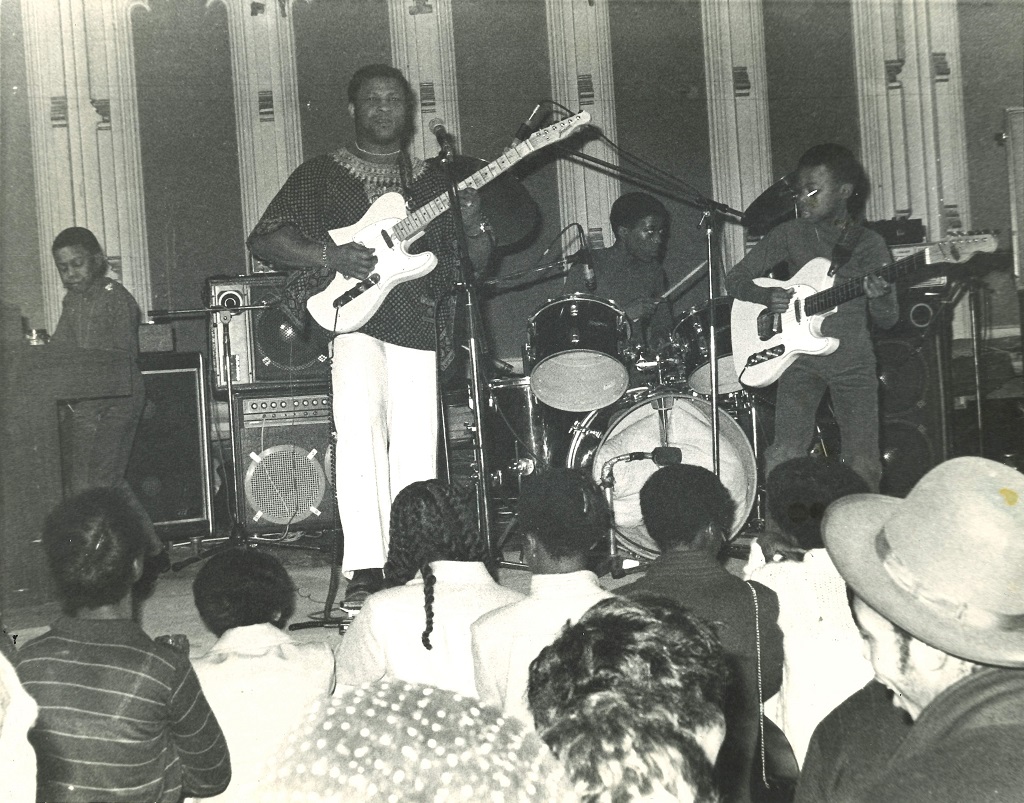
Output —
(915, 399)
(284, 463)
(169, 467)
(266, 348)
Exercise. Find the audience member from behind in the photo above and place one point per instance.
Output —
(689, 513)
(407, 742)
(850, 744)
(824, 661)
(938, 585)
(629, 698)
(443, 579)
(121, 717)
(562, 516)
(259, 681)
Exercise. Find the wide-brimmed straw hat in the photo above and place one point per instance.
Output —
(946, 563)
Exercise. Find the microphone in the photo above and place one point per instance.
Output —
(659, 455)
(529, 126)
(589, 279)
(437, 127)
(667, 455)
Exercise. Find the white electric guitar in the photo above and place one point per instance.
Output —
(346, 304)
(765, 345)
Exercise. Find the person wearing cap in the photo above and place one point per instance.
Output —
(689, 514)
(562, 515)
(937, 584)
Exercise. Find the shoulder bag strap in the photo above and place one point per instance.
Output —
(760, 695)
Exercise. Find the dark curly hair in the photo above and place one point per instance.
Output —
(92, 542)
(844, 167)
(431, 520)
(371, 71)
(77, 235)
(621, 695)
(564, 509)
(679, 501)
(799, 491)
(647, 641)
(241, 587)
(629, 209)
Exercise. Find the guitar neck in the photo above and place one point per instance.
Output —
(416, 221)
(854, 288)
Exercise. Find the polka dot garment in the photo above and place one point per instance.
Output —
(395, 741)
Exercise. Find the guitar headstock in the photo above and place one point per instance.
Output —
(557, 131)
(961, 246)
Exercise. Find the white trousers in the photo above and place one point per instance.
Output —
(385, 413)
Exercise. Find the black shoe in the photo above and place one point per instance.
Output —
(363, 583)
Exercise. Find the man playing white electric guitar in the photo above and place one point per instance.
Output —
(384, 373)
(832, 189)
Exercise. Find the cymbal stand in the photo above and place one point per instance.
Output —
(709, 221)
(467, 287)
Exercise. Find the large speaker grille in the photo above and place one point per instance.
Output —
(285, 464)
(286, 485)
(266, 347)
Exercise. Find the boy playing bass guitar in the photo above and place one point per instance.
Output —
(831, 191)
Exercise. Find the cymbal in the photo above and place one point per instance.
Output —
(507, 204)
(773, 206)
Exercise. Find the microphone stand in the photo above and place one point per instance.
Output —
(708, 221)
(662, 456)
(464, 284)
(237, 534)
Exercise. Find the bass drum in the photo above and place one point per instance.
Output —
(663, 419)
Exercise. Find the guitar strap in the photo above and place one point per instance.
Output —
(843, 250)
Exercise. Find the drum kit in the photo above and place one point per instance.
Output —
(589, 399)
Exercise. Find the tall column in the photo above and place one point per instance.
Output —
(266, 99)
(910, 88)
(581, 78)
(741, 163)
(84, 128)
(423, 48)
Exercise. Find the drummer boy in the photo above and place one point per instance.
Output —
(630, 271)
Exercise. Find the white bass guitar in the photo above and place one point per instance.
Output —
(389, 229)
(765, 345)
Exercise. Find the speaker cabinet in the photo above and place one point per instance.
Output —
(284, 464)
(266, 348)
(169, 468)
(914, 390)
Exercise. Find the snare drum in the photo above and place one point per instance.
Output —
(693, 336)
(662, 419)
(575, 347)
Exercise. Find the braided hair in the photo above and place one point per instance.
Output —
(431, 520)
